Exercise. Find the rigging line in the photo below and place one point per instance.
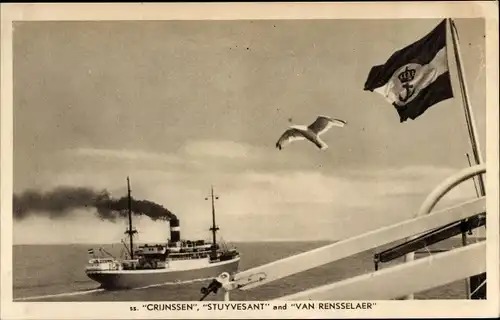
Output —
(428, 251)
(462, 96)
(482, 67)
(468, 115)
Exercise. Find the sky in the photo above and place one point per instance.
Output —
(182, 105)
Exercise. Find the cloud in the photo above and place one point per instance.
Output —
(401, 173)
(221, 148)
(193, 152)
(258, 202)
(121, 154)
(245, 175)
(317, 187)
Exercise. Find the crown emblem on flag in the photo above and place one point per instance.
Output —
(407, 75)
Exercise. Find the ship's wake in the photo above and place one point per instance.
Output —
(65, 294)
(173, 283)
(84, 292)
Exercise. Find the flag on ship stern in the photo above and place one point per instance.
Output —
(90, 251)
(416, 77)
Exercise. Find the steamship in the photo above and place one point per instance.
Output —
(177, 261)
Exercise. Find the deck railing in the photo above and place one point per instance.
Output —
(406, 278)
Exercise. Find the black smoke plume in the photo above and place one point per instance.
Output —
(59, 202)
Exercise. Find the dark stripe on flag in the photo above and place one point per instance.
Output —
(421, 52)
(416, 77)
(438, 91)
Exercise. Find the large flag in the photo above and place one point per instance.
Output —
(415, 77)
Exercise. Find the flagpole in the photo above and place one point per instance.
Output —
(469, 119)
(476, 282)
(469, 115)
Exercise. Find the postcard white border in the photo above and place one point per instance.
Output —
(235, 11)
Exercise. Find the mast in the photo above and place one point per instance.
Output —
(130, 230)
(214, 227)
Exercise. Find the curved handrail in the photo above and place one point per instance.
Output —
(448, 184)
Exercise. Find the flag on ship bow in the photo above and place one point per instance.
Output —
(416, 77)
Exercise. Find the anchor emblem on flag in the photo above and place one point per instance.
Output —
(405, 77)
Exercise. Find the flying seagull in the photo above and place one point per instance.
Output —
(311, 133)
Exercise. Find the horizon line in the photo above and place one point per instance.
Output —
(229, 242)
(160, 242)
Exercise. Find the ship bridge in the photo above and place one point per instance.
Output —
(152, 249)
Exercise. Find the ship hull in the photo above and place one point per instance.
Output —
(129, 279)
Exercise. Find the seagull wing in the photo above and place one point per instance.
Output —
(323, 124)
(288, 136)
(338, 122)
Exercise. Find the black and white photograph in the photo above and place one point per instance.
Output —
(251, 160)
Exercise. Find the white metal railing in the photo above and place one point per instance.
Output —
(471, 259)
(410, 277)
(348, 247)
